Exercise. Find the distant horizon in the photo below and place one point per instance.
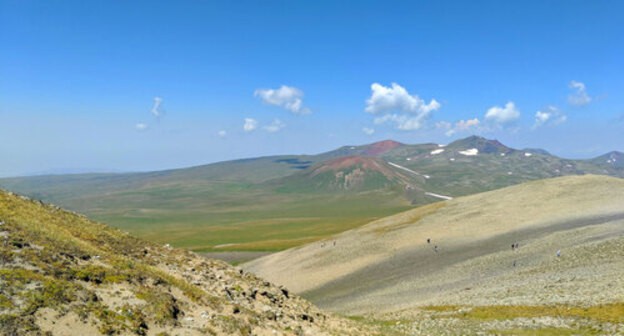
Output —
(80, 171)
(144, 86)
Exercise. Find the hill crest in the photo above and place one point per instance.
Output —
(483, 145)
(613, 159)
(351, 162)
(381, 147)
(388, 264)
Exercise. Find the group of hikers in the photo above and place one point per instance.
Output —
(323, 244)
(514, 246)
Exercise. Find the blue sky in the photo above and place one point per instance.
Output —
(145, 85)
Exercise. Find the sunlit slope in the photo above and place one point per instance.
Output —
(388, 265)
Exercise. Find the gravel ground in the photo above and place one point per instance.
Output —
(387, 270)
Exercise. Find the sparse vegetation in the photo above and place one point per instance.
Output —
(410, 218)
(60, 266)
(475, 281)
(162, 306)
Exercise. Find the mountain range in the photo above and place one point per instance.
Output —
(272, 203)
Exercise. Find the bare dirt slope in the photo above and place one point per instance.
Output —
(388, 266)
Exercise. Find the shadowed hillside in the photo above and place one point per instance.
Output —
(388, 268)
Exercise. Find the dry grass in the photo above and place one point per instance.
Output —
(408, 218)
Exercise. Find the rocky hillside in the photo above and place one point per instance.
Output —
(62, 274)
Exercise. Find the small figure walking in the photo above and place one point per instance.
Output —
(558, 253)
(435, 248)
(513, 246)
(428, 240)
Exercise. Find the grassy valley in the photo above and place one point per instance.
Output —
(273, 203)
(64, 274)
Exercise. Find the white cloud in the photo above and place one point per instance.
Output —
(368, 131)
(549, 116)
(250, 124)
(275, 126)
(389, 102)
(287, 97)
(502, 115)
(460, 126)
(222, 133)
(396, 98)
(402, 122)
(541, 117)
(157, 110)
(579, 97)
(443, 125)
(467, 124)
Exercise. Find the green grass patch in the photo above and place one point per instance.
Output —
(200, 214)
(442, 309)
(609, 313)
(382, 327)
(5, 302)
(262, 223)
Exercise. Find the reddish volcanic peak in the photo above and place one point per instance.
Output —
(350, 161)
(381, 147)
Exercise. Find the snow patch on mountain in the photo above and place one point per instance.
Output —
(469, 152)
